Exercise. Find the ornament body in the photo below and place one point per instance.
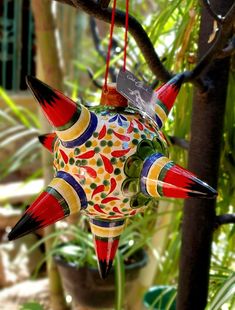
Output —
(110, 163)
(107, 168)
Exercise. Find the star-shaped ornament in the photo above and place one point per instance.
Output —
(111, 162)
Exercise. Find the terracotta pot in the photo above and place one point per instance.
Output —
(88, 289)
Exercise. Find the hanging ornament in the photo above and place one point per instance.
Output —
(111, 162)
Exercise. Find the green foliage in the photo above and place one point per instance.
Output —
(225, 294)
(17, 125)
(31, 306)
(161, 298)
(119, 280)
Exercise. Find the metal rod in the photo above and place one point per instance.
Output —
(4, 43)
(17, 48)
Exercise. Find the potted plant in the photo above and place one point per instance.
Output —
(76, 261)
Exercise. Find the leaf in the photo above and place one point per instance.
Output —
(7, 117)
(31, 306)
(17, 136)
(10, 130)
(15, 109)
(225, 293)
(119, 281)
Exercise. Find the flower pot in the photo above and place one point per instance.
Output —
(88, 289)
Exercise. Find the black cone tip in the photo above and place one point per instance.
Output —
(104, 268)
(42, 139)
(41, 91)
(25, 226)
(31, 81)
(177, 80)
(201, 189)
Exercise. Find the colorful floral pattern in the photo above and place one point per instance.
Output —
(110, 163)
(98, 164)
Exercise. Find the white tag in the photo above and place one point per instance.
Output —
(139, 95)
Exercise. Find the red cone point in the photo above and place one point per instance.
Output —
(105, 251)
(58, 108)
(47, 209)
(180, 183)
(48, 140)
(168, 92)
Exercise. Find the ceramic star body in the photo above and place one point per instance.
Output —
(110, 163)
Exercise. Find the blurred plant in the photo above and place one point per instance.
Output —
(224, 294)
(73, 243)
(31, 306)
(17, 125)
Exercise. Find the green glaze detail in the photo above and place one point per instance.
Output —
(145, 149)
(73, 120)
(162, 105)
(76, 151)
(135, 141)
(59, 198)
(71, 161)
(97, 149)
(130, 186)
(113, 160)
(99, 162)
(140, 201)
(132, 169)
(162, 176)
(160, 146)
(117, 171)
(103, 143)
(88, 143)
(123, 159)
(133, 166)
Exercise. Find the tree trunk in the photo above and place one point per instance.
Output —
(204, 155)
(48, 69)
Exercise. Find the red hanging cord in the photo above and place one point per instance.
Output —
(110, 46)
(126, 33)
(111, 41)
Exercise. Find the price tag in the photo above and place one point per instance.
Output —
(139, 95)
